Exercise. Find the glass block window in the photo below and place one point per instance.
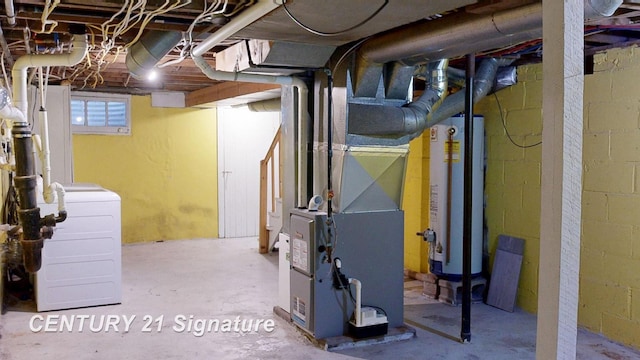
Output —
(97, 113)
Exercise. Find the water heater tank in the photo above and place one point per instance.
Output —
(447, 194)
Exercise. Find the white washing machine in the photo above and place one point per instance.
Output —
(81, 263)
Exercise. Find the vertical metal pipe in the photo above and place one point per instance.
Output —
(465, 332)
(329, 143)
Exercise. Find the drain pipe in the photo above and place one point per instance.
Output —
(35, 229)
(239, 22)
(19, 71)
(11, 13)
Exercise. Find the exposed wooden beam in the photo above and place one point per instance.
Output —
(65, 19)
(224, 91)
(561, 190)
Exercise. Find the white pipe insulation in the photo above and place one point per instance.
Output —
(358, 309)
(244, 19)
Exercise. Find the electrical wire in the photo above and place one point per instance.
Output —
(349, 51)
(46, 11)
(336, 33)
(504, 126)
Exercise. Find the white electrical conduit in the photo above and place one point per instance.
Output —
(239, 22)
(358, 311)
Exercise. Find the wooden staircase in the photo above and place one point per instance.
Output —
(270, 196)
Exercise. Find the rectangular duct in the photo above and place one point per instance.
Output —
(272, 57)
(367, 172)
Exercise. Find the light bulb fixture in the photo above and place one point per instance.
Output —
(152, 75)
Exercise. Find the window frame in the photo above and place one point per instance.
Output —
(101, 130)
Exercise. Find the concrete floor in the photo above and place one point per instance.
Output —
(225, 279)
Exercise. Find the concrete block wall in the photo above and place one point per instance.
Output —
(512, 185)
(609, 300)
(610, 276)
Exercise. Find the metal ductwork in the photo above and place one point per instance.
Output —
(374, 120)
(482, 86)
(143, 56)
(446, 38)
(428, 110)
(381, 120)
(599, 8)
(464, 34)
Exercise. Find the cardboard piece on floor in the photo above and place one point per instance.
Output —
(503, 286)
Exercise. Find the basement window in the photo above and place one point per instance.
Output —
(99, 113)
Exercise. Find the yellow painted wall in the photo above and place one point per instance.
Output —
(415, 204)
(512, 182)
(165, 172)
(609, 299)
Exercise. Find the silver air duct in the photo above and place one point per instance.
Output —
(482, 85)
(599, 8)
(381, 120)
(465, 34)
(149, 50)
(428, 110)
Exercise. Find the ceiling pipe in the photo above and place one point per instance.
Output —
(11, 13)
(466, 33)
(239, 22)
(19, 71)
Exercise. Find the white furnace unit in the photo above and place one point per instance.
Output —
(81, 263)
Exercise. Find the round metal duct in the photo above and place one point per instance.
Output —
(149, 50)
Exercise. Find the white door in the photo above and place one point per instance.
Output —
(243, 140)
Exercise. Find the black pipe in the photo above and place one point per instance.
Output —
(29, 213)
(465, 332)
(329, 140)
(329, 221)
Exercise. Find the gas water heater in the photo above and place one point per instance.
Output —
(447, 196)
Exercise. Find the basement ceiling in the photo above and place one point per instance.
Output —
(114, 25)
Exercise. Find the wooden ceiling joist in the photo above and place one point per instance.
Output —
(227, 90)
